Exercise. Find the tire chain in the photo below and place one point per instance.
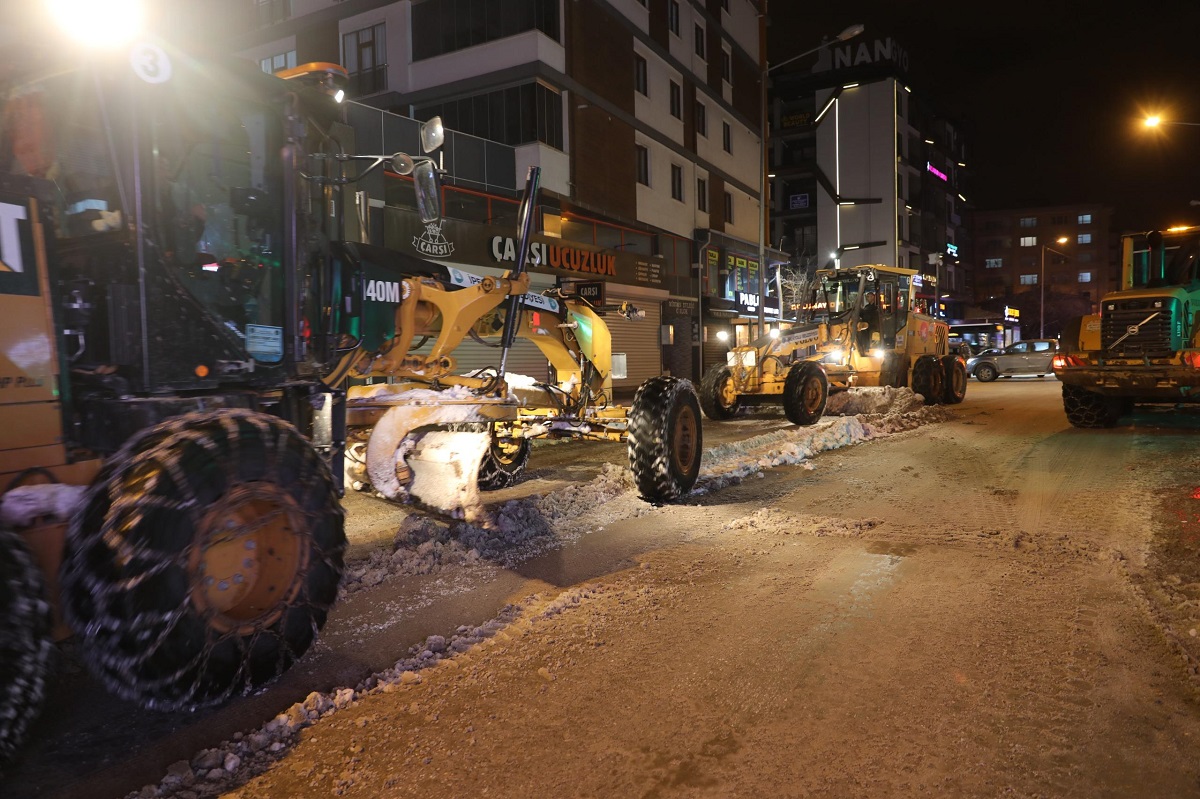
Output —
(112, 580)
(25, 642)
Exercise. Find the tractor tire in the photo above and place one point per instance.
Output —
(1088, 409)
(927, 379)
(25, 642)
(665, 438)
(985, 373)
(204, 560)
(954, 380)
(717, 396)
(503, 462)
(805, 393)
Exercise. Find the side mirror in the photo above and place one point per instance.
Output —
(425, 182)
(432, 135)
(402, 164)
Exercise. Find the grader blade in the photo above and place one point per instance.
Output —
(430, 451)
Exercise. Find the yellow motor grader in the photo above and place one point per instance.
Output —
(857, 328)
(184, 317)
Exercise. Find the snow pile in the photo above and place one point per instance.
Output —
(23, 504)
(728, 464)
(883, 400)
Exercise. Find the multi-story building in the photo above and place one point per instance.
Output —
(1064, 256)
(642, 114)
(864, 171)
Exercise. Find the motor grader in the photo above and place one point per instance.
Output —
(857, 328)
(188, 328)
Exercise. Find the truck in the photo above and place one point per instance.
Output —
(1143, 347)
(857, 328)
(191, 319)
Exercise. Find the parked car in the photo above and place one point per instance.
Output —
(1030, 357)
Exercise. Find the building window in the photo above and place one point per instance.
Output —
(1084, 238)
(728, 207)
(676, 100)
(727, 137)
(639, 75)
(1029, 280)
(274, 63)
(677, 182)
(272, 11)
(1085, 219)
(1085, 277)
(1084, 257)
(643, 165)
(726, 66)
(364, 55)
(702, 194)
(993, 263)
(673, 16)
(701, 43)
(513, 116)
(1029, 241)
(1028, 221)
(701, 119)
(445, 26)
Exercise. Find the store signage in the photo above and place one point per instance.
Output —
(797, 201)
(558, 256)
(747, 299)
(432, 243)
(952, 249)
(592, 291)
(1012, 314)
(853, 55)
(936, 172)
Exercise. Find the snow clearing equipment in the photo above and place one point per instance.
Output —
(435, 437)
(856, 329)
(184, 314)
(1144, 345)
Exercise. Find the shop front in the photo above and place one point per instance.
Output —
(731, 297)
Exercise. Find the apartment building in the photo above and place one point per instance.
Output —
(1050, 263)
(642, 114)
(864, 170)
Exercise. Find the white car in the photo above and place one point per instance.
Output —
(1030, 357)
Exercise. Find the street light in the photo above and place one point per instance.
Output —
(1042, 284)
(767, 69)
(1155, 121)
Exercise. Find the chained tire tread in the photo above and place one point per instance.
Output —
(25, 642)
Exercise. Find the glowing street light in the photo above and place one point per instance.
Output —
(1155, 121)
(107, 24)
(1042, 284)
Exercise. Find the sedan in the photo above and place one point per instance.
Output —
(1031, 357)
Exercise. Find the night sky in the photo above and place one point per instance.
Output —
(1051, 94)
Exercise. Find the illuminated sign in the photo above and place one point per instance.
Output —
(952, 249)
(797, 201)
(1012, 314)
(937, 172)
(880, 50)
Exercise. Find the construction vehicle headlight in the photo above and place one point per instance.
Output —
(835, 356)
(878, 352)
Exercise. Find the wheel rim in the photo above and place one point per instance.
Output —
(684, 435)
(726, 395)
(506, 450)
(249, 559)
(810, 396)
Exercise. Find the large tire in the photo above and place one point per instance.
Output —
(805, 393)
(1091, 410)
(927, 379)
(985, 372)
(665, 438)
(25, 642)
(504, 460)
(954, 379)
(717, 396)
(204, 560)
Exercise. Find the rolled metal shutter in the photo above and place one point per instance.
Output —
(639, 339)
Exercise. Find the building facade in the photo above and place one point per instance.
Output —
(1050, 263)
(863, 170)
(643, 116)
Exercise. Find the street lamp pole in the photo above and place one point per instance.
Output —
(766, 70)
(1042, 285)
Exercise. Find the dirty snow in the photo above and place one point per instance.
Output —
(515, 531)
(23, 504)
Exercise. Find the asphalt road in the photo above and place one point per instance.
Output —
(1007, 469)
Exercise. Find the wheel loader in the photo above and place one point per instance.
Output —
(187, 335)
(857, 328)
